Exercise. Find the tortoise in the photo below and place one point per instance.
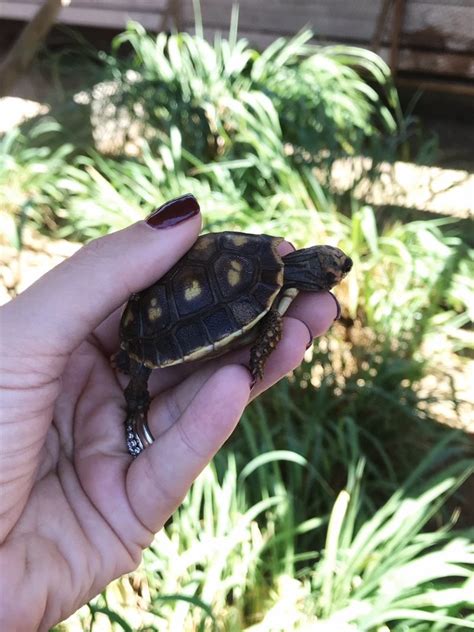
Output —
(229, 290)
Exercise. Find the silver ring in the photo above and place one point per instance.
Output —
(144, 433)
(138, 436)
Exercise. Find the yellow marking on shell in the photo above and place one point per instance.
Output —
(233, 275)
(193, 290)
(154, 312)
(133, 356)
(239, 240)
(129, 318)
(202, 243)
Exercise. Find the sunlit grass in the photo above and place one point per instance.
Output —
(227, 562)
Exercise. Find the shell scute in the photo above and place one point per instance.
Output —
(245, 244)
(218, 324)
(190, 337)
(263, 294)
(191, 290)
(166, 350)
(204, 248)
(234, 274)
(154, 310)
(245, 311)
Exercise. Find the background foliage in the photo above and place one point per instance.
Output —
(334, 505)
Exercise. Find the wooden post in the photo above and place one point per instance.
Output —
(399, 14)
(27, 45)
(380, 26)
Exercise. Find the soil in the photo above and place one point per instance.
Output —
(21, 268)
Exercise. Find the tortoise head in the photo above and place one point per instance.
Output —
(316, 268)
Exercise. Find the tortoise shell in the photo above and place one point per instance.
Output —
(206, 303)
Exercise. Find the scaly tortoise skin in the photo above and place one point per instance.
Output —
(229, 290)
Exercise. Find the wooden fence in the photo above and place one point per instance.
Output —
(431, 37)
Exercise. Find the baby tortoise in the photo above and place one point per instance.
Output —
(231, 289)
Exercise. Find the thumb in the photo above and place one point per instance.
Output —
(58, 311)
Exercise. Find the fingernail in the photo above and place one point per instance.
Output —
(338, 307)
(252, 378)
(174, 212)
(311, 337)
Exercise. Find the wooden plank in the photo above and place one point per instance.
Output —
(439, 27)
(410, 60)
(436, 25)
(328, 19)
(436, 63)
(443, 3)
(111, 19)
(256, 39)
(91, 16)
(136, 5)
(426, 24)
(463, 88)
(427, 62)
(130, 5)
(18, 10)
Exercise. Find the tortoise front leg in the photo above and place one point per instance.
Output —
(269, 336)
(137, 398)
(122, 362)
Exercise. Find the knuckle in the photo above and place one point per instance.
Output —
(96, 249)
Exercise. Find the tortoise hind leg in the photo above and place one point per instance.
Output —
(121, 361)
(137, 398)
(269, 336)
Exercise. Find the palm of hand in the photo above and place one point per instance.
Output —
(90, 512)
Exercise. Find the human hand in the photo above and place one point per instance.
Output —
(76, 511)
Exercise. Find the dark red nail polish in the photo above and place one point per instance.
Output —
(338, 307)
(174, 212)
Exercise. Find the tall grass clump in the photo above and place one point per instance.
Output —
(249, 126)
(31, 177)
(231, 558)
(323, 105)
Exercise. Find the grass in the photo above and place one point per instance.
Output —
(334, 506)
(232, 557)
